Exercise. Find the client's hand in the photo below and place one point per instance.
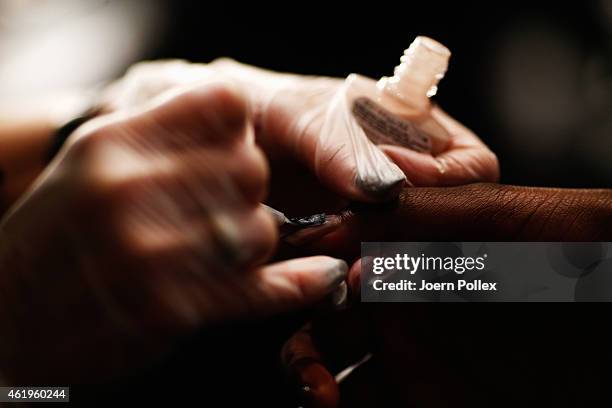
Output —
(146, 226)
(478, 212)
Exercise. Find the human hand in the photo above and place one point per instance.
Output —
(387, 332)
(146, 226)
(289, 112)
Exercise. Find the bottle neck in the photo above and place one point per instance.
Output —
(416, 79)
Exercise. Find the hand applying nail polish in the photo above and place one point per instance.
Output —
(319, 154)
(147, 226)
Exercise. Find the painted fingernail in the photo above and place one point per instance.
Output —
(336, 273)
(377, 175)
(227, 236)
(381, 189)
(309, 235)
(339, 296)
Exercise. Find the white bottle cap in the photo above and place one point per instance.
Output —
(421, 67)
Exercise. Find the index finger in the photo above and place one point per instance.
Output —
(467, 159)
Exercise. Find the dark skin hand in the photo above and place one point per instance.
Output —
(404, 337)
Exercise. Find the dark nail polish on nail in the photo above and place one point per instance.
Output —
(337, 274)
(382, 191)
(339, 297)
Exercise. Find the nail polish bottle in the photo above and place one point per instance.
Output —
(396, 110)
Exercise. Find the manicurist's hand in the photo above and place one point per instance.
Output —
(146, 226)
(316, 167)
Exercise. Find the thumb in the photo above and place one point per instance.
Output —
(310, 118)
(345, 159)
(311, 121)
(295, 283)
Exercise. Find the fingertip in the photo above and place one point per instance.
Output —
(354, 278)
(376, 189)
(254, 173)
(358, 170)
(491, 165)
(318, 387)
(304, 280)
(419, 168)
(367, 187)
(331, 272)
(377, 176)
(259, 234)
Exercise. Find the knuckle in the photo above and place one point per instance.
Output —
(224, 62)
(216, 112)
(262, 234)
(229, 103)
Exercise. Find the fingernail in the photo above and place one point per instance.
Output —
(279, 217)
(227, 237)
(377, 175)
(308, 235)
(339, 296)
(378, 189)
(336, 273)
(385, 182)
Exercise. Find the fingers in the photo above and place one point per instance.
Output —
(317, 386)
(146, 80)
(467, 160)
(325, 352)
(354, 278)
(181, 177)
(347, 161)
(466, 150)
(295, 283)
(455, 167)
(204, 116)
(310, 120)
(261, 292)
(476, 212)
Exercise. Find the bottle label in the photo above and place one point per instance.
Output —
(383, 127)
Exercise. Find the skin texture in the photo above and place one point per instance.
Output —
(147, 226)
(478, 212)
